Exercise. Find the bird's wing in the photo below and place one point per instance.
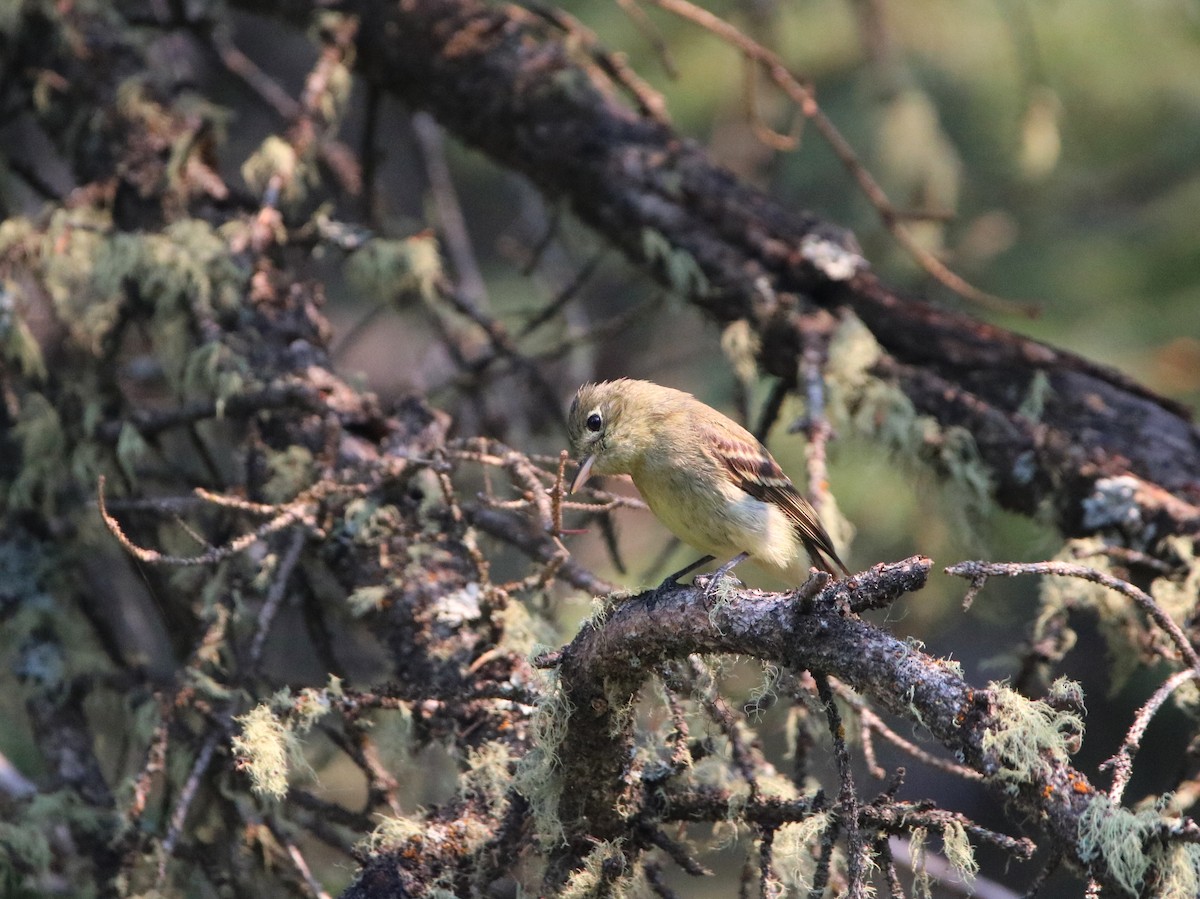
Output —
(758, 474)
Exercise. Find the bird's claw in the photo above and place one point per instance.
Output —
(713, 585)
(672, 580)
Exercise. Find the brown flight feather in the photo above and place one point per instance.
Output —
(760, 476)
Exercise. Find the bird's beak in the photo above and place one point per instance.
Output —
(581, 476)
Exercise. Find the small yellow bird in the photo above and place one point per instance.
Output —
(704, 476)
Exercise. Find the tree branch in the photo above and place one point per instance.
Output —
(606, 665)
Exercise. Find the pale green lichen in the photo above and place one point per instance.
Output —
(621, 706)
(590, 882)
(1118, 837)
(43, 440)
(602, 607)
(33, 841)
(520, 631)
(957, 847)
(682, 272)
(488, 775)
(1036, 394)
(291, 472)
(722, 595)
(773, 785)
(763, 695)
(1177, 595)
(716, 771)
(796, 850)
(390, 832)
(918, 853)
(882, 412)
(211, 370)
(266, 749)
(1030, 737)
(397, 271)
(1178, 872)
(539, 772)
(365, 600)
(312, 704)
(186, 268)
(269, 747)
(1116, 616)
(276, 161)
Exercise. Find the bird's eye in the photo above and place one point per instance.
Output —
(595, 422)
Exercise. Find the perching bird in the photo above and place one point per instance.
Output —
(704, 476)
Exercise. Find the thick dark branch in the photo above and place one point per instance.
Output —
(605, 666)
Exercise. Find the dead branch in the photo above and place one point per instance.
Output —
(604, 668)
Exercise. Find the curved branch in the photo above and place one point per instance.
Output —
(606, 665)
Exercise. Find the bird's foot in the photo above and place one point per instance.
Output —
(672, 580)
(713, 582)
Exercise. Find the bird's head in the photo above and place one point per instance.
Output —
(608, 426)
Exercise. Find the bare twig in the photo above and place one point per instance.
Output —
(449, 210)
(564, 296)
(978, 573)
(805, 99)
(241, 65)
(872, 723)
(1122, 762)
(299, 511)
(847, 804)
(649, 101)
(275, 594)
(186, 796)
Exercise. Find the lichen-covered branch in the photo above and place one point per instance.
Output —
(1017, 745)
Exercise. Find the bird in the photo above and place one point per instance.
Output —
(704, 476)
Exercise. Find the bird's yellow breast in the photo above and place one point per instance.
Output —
(723, 522)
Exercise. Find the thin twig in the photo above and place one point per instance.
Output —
(847, 797)
(1122, 761)
(658, 883)
(297, 858)
(652, 34)
(803, 96)
(871, 722)
(267, 88)
(564, 295)
(883, 851)
(978, 572)
(744, 750)
(186, 795)
(766, 842)
(275, 594)
(611, 65)
(948, 877)
(301, 510)
(1053, 861)
(453, 224)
